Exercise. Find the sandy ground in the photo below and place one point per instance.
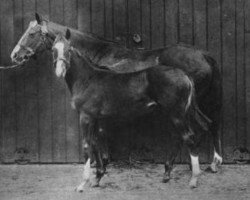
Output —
(47, 182)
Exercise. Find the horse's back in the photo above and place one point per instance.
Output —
(168, 85)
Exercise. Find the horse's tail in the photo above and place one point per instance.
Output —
(196, 117)
(216, 81)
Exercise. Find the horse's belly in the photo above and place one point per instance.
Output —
(128, 108)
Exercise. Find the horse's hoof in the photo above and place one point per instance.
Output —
(166, 178)
(79, 188)
(94, 182)
(193, 183)
(211, 169)
(82, 186)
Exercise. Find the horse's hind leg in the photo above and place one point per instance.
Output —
(217, 159)
(192, 143)
(176, 145)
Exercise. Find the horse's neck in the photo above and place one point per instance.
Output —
(86, 43)
(79, 71)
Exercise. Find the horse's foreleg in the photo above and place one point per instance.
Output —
(100, 152)
(86, 123)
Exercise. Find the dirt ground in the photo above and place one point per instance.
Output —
(26, 182)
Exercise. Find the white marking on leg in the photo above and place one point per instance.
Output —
(195, 170)
(85, 176)
(217, 157)
(89, 174)
(217, 160)
(87, 170)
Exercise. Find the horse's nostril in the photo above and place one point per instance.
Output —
(25, 57)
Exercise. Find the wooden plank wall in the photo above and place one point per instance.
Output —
(34, 104)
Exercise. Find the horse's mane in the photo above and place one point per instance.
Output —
(80, 34)
(91, 64)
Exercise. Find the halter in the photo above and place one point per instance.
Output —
(11, 66)
(46, 40)
(62, 59)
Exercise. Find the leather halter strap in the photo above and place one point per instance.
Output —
(61, 59)
(11, 66)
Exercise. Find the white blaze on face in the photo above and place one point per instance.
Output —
(60, 65)
(17, 47)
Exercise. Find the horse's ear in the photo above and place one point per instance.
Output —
(67, 36)
(38, 18)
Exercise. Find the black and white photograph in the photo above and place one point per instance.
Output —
(124, 99)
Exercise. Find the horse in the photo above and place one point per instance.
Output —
(100, 94)
(198, 65)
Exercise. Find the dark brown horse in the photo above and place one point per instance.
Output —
(197, 64)
(99, 95)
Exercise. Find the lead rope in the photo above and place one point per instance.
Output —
(11, 66)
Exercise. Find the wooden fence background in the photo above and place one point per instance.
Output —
(36, 120)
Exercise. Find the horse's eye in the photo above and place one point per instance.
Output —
(32, 35)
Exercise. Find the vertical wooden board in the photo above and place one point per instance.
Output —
(158, 130)
(97, 17)
(31, 93)
(146, 23)
(171, 20)
(20, 81)
(133, 18)
(229, 78)
(109, 19)
(157, 23)
(122, 140)
(214, 30)
(83, 25)
(200, 24)
(120, 21)
(44, 66)
(247, 72)
(1, 99)
(70, 13)
(185, 36)
(84, 15)
(214, 42)
(58, 96)
(185, 21)
(72, 126)
(134, 22)
(200, 41)
(240, 71)
(8, 84)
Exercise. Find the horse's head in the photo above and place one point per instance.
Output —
(34, 40)
(62, 53)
